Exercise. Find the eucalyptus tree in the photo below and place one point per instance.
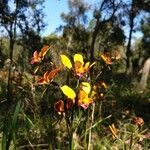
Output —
(146, 36)
(145, 42)
(143, 5)
(105, 12)
(74, 30)
(18, 17)
(131, 12)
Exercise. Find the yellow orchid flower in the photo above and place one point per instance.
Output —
(69, 92)
(83, 99)
(83, 96)
(79, 66)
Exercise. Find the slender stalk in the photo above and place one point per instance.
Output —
(86, 127)
(29, 146)
(100, 109)
(92, 120)
(98, 122)
(71, 128)
(69, 119)
(131, 141)
(69, 122)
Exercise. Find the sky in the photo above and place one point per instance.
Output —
(53, 10)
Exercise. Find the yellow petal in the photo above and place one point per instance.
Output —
(79, 58)
(87, 101)
(66, 61)
(82, 95)
(86, 87)
(68, 92)
(86, 67)
(79, 70)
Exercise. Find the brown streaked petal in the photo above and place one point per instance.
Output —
(44, 50)
(59, 106)
(53, 73)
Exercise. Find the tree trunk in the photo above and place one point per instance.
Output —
(12, 38)
(145, 74)
(129, 67)
(9, 91)
(92, 50)
(128, 53)
(98, 25)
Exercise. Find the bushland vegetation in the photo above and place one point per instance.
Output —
(87, 87)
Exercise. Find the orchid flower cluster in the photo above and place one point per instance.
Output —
(82, 98)
(49, 75)
(109, 59)
(84, 94)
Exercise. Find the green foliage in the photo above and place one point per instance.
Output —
(10, 127)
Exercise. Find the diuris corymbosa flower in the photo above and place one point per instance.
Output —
(79, 67)
(48, 76)
(62, 107)
(109, 58)
(38, 57)
(83, 97)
